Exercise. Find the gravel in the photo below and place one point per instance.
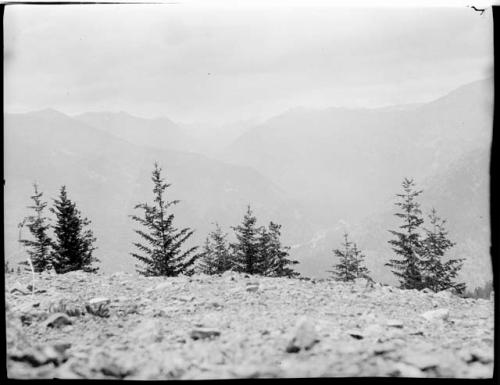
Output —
(237, 326)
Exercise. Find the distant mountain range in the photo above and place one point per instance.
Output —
(159, 133)
(107, 176)
(350, 160)
(164, 134)
(317, 172)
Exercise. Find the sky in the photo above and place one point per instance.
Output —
(226, 63)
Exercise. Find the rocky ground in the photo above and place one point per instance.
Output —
(80, 325)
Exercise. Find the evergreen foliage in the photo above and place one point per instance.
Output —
(422, 254)
(407, 243)
(39, 248)
(439, 275)
(342, 270)
(258, 250)
(360, 270)
(350, 265)
(480, 291)
(264, 251)
(246, 256)
(73, 245)
(162, 253)
(273, 257)
(215, 257)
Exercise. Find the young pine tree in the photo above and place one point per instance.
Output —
(350, 265)
(215, 257)
(73, 245)
(39, 248)
(206, 261)
(407, 243)
(246, 257)
(439, 275)
(273, 255)
(162, 253)
(360, 271)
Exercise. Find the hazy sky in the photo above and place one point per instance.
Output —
(221, 64)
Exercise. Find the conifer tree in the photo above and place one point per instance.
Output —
(360, 271)
(246, 257)
(407, 243)
(215, 257)
(162, 253)
(73, 245)
(264, 252)
(342, 270)
(273, 256)
(350, 265)
(39, 248)
(439, 275)
(206, 260)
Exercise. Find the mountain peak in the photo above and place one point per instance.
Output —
(49, 113)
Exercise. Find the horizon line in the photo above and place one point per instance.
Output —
(232, 121)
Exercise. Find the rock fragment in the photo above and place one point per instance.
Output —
(433, 315)
(404, 370)
(230, 275)
(356, 334)
(445, 294)
(185, 298)
(42, 355)
(66, 371)
(384, 348)
(252, 287)
(57, 320)
(395, 323)
(422, 360)
(113, 364)
(162, 286)
(98, 301)
(475, 355)
(204, 333)
(304, 337)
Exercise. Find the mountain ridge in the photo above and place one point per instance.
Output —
(312, 180)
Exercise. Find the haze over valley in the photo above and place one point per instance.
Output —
(316, 172)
